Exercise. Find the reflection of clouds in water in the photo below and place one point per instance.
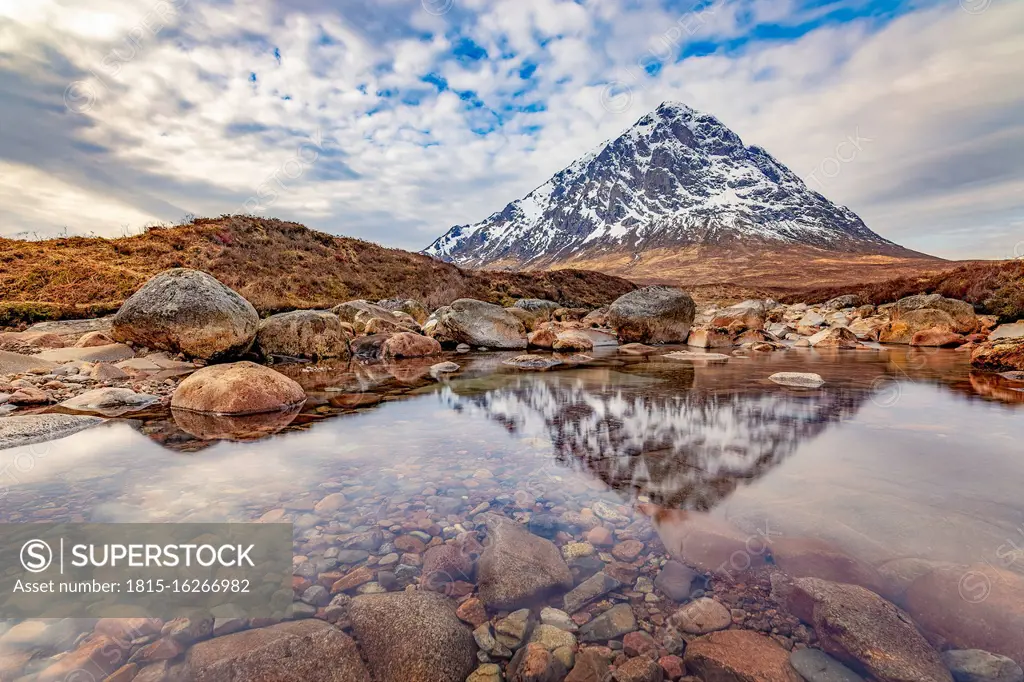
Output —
(76, 457)
(682, 448)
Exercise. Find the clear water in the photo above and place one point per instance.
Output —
(901, 453)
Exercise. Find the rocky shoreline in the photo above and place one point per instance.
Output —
(546, 584)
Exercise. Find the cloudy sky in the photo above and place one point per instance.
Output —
(393, 120)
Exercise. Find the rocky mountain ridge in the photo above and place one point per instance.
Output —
(677, 178)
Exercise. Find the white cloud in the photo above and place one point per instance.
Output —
(180, 128)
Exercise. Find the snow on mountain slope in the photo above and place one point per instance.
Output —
(678, 177)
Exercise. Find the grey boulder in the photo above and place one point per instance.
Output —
(312, 334)
(187, 311)
(652, 315)
(478, 324)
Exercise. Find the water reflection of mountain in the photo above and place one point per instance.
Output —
(678, 445)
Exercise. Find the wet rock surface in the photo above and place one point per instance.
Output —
(18, 431)
(581, 584)
(413, 635)
(739, 656)
(859, 627)
(308, 650)
(239, 388)
(518, 568)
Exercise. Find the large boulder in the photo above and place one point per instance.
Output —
(749, 314)
(937, 338)
(237, 388)
(369, 347)
(309, 650)
(416, 310)
(971, 607)
(652, 315)
(962, 313)
(710, 338)
(573, 340)
(518, 568)
(413, 636)
(436, 330)
(1000, 356)
(348, 311)
(187, 311)
(860, 628)
(538, 306)
(310, 334)
(478, 324)
(836, 337)
(739, 656)
(902, 329)
(1008, 331)
(409, 345)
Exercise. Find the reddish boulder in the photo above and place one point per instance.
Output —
(739, 656)
(937, 338)
(1001, 355)
(971, 607)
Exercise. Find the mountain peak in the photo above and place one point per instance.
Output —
(674, 107)
(676, 178)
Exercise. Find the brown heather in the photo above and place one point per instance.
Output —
(276, 265)
(993, 287)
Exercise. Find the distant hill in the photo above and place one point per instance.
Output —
(276, 265)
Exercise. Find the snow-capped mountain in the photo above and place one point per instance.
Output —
(677, 178)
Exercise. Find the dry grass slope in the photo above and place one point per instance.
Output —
(276, 265)
(995, 287)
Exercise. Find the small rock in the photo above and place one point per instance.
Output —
(535, 362)
(974, 665)
(557, 618)
(590, 589)
(702, 616)
(472, 611)
(628, 550)
(676, 581)
(551, 637)
(511, 631)
(817, 666)
(611, 624)
(640, 669)
(534, 663)
(798, 379)
(488, 672)
(638, 643)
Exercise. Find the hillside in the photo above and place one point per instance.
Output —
(993, 287)
(276, 265)
(680, 198)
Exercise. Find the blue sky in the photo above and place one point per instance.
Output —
(393, 120)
